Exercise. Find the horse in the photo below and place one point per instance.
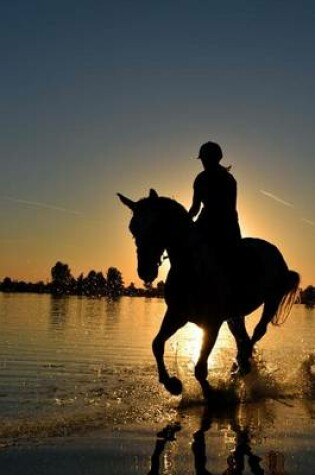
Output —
(206, 288)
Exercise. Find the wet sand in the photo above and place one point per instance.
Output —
(271, 436)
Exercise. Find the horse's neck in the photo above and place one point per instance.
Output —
(184, 245)
(188, 248)
(181, 246)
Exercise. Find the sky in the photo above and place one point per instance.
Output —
(99, 97)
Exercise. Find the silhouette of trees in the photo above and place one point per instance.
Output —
(307, 296)
(94, 284)
(62, 281)
(115, 283)
(160, 288)
(132, 291)
(80, 285)
(9, 285)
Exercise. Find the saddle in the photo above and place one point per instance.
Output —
(230, 271)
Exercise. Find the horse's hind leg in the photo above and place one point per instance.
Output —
(243, 342)
(171, 323)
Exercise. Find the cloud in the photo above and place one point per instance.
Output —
(38, 204)
(286, 203)
(276, 198)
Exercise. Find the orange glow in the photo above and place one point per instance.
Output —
(98, 236)
(191, 337)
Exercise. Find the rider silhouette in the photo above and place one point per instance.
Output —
(216, 189)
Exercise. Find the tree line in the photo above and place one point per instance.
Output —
(94, 284)
(307, 296)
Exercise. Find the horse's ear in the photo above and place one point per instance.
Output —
(127, 202)
(153, 194)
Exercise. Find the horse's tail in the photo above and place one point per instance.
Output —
(288, 296)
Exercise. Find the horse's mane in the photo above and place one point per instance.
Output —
(173, 205)
(166, 204)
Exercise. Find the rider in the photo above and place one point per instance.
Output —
(215, 188)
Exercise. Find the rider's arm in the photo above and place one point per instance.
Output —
(195, 206)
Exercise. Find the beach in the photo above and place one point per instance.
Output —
(275, 434)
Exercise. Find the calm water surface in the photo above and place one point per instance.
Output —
(68, 364)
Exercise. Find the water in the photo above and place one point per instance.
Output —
(74, 365)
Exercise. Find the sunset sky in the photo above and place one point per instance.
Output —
(105, 96)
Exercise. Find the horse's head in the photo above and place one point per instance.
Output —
(146, 229)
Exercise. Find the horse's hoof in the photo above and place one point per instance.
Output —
(241, 369)
(244, 368)
(207, 391)
(234, 369)
(174, 386)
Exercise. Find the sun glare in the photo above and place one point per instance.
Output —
(193, 342)
(187, 344)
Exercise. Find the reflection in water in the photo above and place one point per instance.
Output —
(165, 435)
(242, 452)
(199, 444)
(276, 463)
(238, 420)
(112, 307)
(59, 309)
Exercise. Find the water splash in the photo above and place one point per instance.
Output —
(306, 377)
(265, 381)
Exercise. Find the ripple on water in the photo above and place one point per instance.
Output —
(71, 365)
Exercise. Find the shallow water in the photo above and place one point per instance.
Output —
(70, 366)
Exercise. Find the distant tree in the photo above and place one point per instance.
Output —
(7, 285)
(131, 290)
(101, 283)
(160, 286)
(115, 283)
(39, 287)
(308, 296)
(148, 289)
(62, 280)
(94, 284)
(80, 285)
(90, 283)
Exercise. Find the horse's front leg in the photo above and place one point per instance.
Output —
(171, 323)
(201, 369)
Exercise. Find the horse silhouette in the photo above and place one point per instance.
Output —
(206, 287)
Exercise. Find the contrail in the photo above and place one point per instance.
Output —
(38, 204)
(276, 198)
(308, 221)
